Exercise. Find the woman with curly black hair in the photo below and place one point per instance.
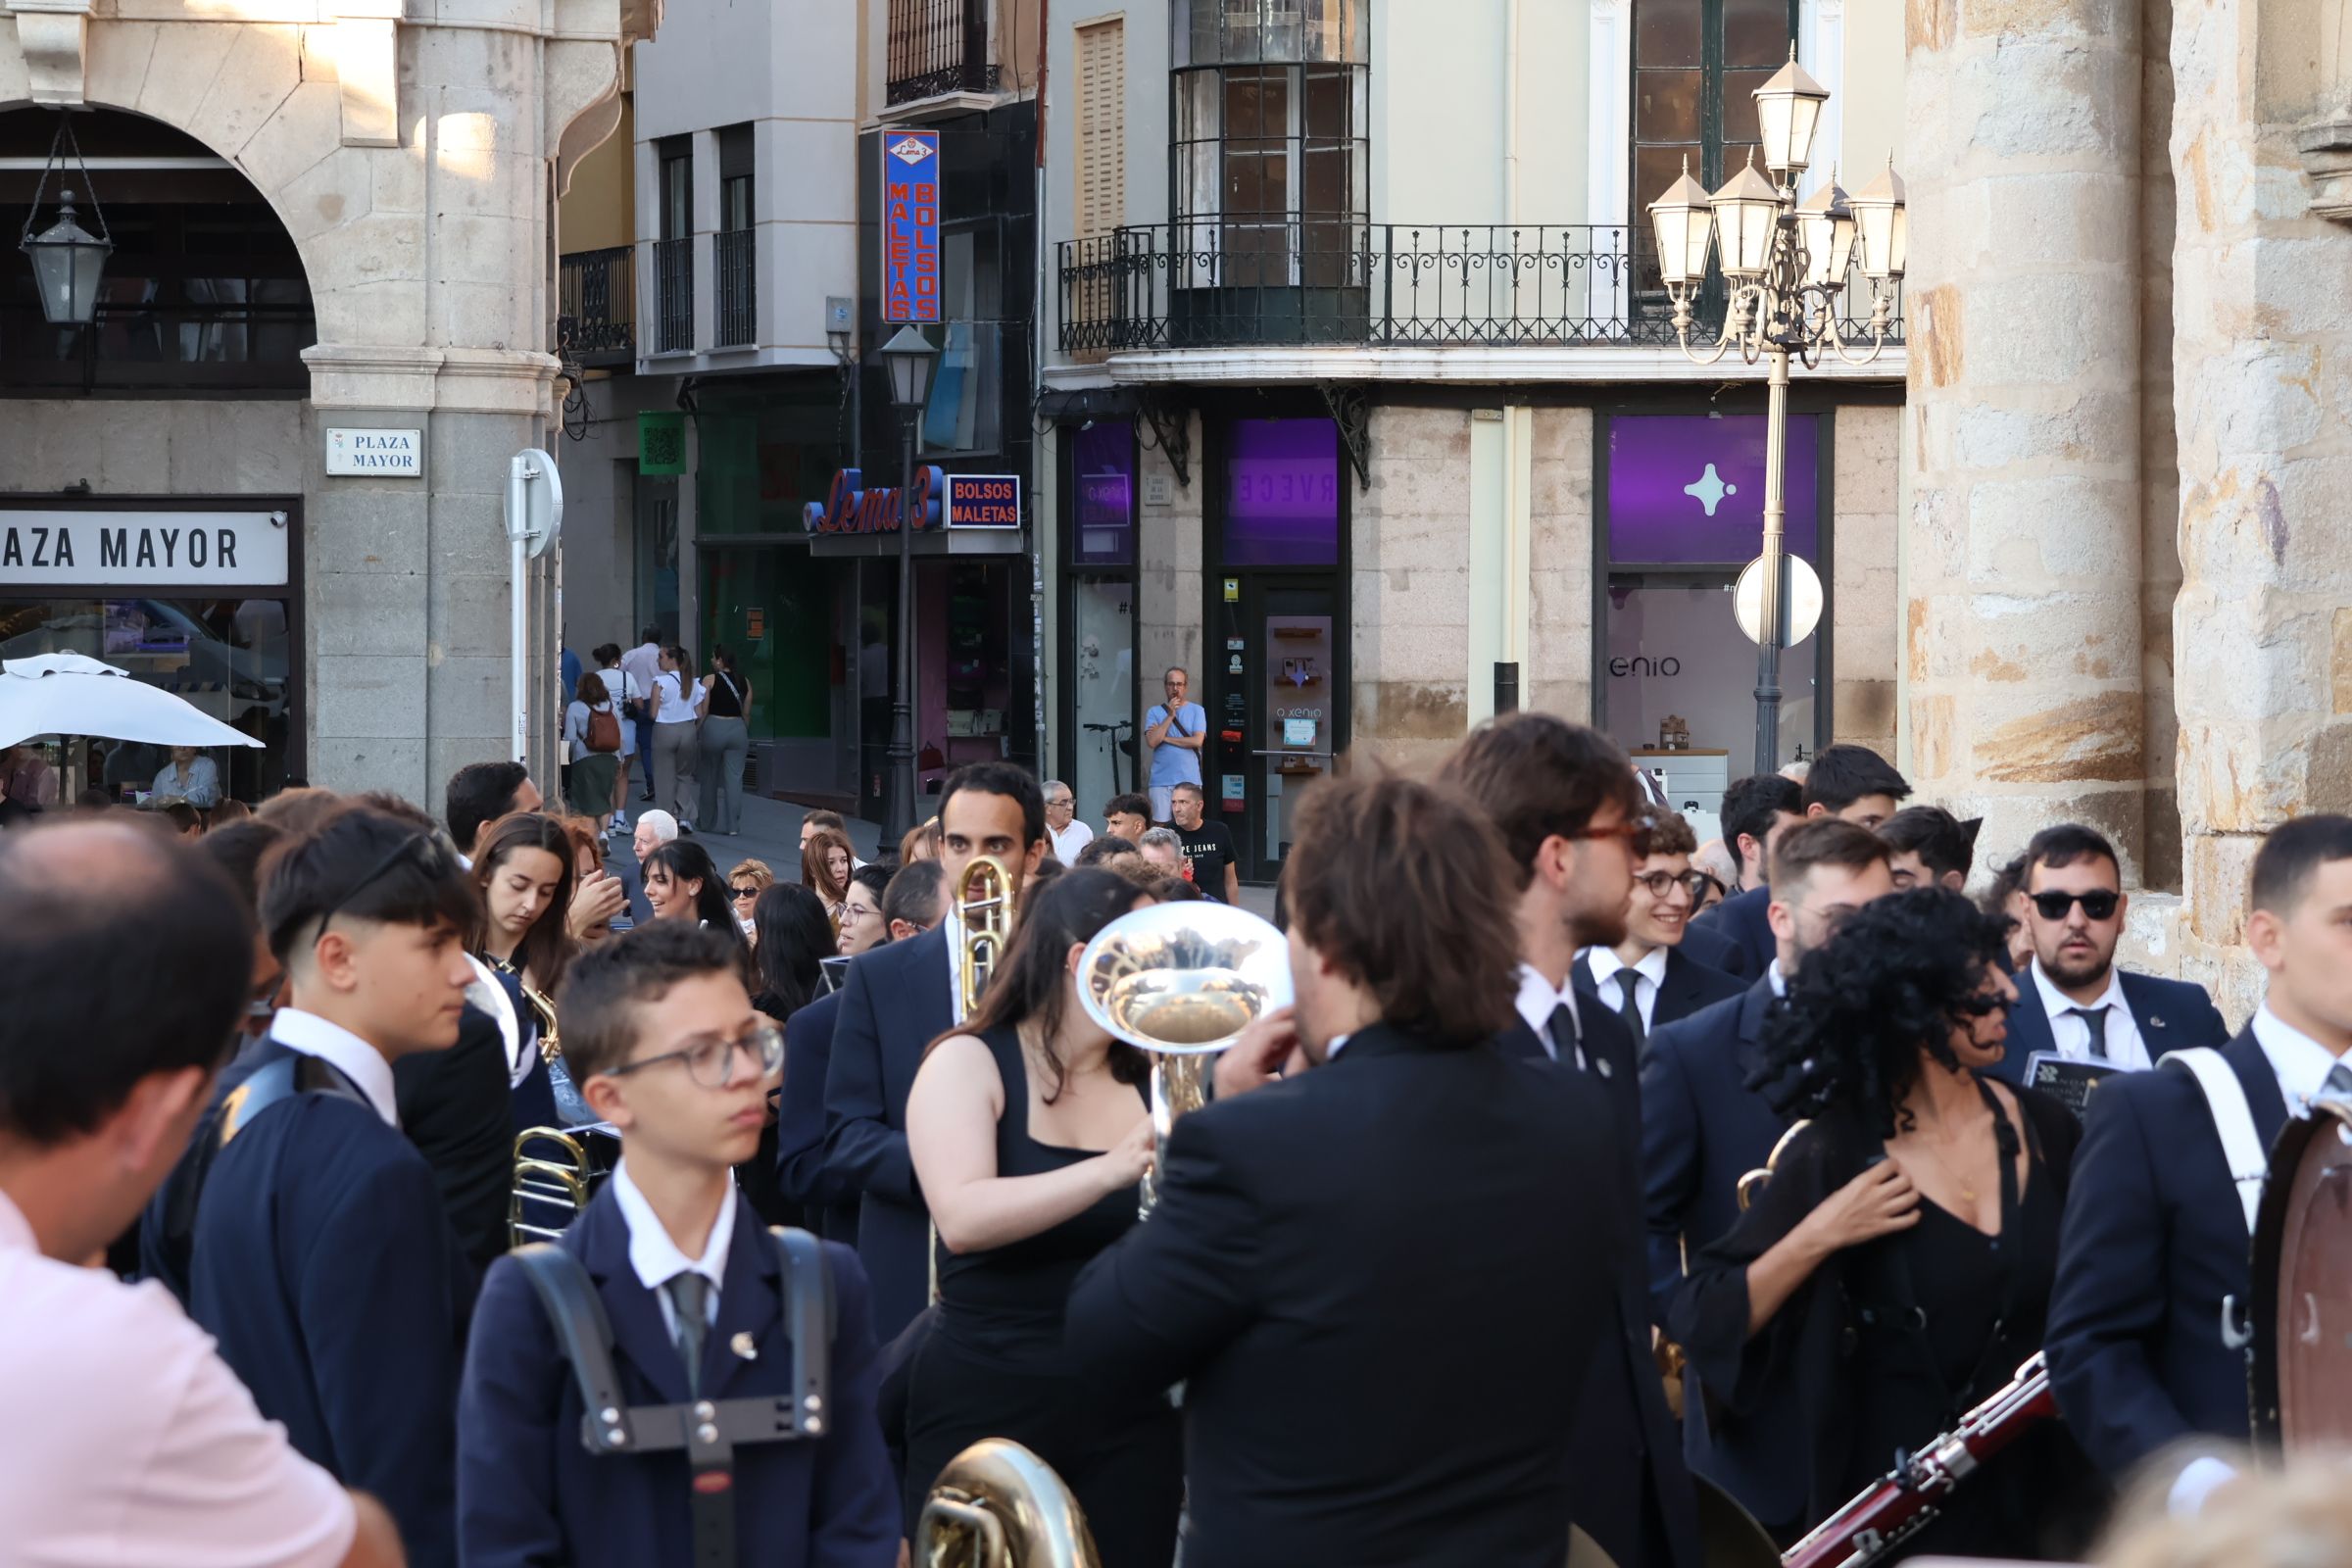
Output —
(1896, 1267)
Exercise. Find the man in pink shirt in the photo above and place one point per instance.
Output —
(128, 1440)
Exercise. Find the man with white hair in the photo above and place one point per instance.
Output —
(655, 828)
(1165, 850)
(1069, 836)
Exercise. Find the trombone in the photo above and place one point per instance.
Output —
(1181, 982)
(985, 904)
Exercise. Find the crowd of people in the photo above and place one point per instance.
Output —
(1579, 1178)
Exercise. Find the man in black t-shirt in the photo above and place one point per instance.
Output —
(1208, 850)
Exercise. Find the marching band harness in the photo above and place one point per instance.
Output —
(708, 1430)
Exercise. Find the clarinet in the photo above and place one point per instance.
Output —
(1892, 1509)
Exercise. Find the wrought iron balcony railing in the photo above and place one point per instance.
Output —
(734, 258)
(937, 46)
(597, 300)
(1228, 283)
(673, 296)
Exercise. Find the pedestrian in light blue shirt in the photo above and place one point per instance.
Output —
(1176, 730)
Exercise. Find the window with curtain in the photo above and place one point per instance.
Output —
(1695, 65)
(1270, 161)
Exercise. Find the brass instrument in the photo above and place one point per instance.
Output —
(554, 1166)
(983, 908)
(998, 1505)
(1182, 981)
(543, 1014)
(1753, 1182)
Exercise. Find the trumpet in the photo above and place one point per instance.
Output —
(1181, 982)
(998, 1505)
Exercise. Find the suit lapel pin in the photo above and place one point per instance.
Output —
(745, 1346)
(2155, 1022)
(1601, 1064)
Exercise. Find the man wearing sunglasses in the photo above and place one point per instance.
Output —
(2077, 1003)
(313, 1242)
(664, 1044)
(1646, 978)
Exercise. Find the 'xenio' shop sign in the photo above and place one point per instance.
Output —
(952, 500)
(135, 549)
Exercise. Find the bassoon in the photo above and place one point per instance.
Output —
(1892, 1509)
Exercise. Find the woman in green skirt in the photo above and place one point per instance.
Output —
(592, 731)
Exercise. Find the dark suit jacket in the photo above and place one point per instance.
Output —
(1629, 1487)
(1714, 950)
(322, 1262)
(801, 1123)
(1689, 986)
(2172, 1015)
(895, 1003)
(1739, 920)
(529, 1492)
(453, 1108)
(1383, 1354)
(2154, 1239)
(1702, 1131)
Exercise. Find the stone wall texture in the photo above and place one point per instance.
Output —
(1866, 645)
(1411, 588)
(2022, 638)
(1559, 674)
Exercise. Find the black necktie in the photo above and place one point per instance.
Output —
(1629, 1010)
(2095, 1020)
(690, 1299)
(1562, 1029)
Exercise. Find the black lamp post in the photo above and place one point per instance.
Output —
(67, 260)
(911, 360)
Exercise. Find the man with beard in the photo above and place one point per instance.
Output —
(1702, 1129)
(2073, 1000)
(1573, 821)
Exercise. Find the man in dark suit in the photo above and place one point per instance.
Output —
(319, 1255)
(1650, 977)
(2155, 1236)
(1375, 1369)
(1756, 811)
(915, 902)
(1702, 1129)
(664, 1044)
(899, 998)
(1554, 793)
(1927, 845)
(2073, 1000)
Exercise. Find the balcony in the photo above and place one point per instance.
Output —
(1339, 283)
(673, 296)
(936, 47)
(597, 306)
(735, 259)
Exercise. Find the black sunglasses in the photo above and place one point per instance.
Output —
(2097, 904)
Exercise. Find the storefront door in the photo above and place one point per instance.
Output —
(1276, 709)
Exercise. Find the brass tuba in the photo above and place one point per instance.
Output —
(983, 907)
(998, 1505)
(1182, 981)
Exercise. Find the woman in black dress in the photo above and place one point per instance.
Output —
(1030, 1129)
(792, 935)
(1896, 1267)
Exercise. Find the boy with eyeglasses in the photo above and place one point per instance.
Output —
(302, 1228)
(736, 1419)
(1648, 979)
(2072, 1002)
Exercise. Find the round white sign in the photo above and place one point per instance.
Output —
(1804, 600)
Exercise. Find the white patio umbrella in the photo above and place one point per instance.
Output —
(74, 693)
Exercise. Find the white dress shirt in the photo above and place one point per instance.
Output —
(2300, 1062)
(1070, 841)
(354, 1058)
(656, 1259)
(1776, 979)
(1650, 968)
(1537, 999)
(2072, 1035)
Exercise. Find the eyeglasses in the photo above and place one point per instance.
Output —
(1660, 883)
(2097, 904)
(433, 863)
(1634, 829)
(746, 893)
(711, 1058)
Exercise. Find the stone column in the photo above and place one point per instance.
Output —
(2260, 323)
(2021, 552)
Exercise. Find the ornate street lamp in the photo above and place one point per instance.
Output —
(67, 260)
(1785, 268)
(911, 361)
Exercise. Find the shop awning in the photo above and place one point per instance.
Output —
(927, 544)
(74, 693)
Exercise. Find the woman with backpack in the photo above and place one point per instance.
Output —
(592, 730)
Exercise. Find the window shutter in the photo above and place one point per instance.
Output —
(1102, 167)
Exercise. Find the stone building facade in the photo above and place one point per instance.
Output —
(410, 155)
